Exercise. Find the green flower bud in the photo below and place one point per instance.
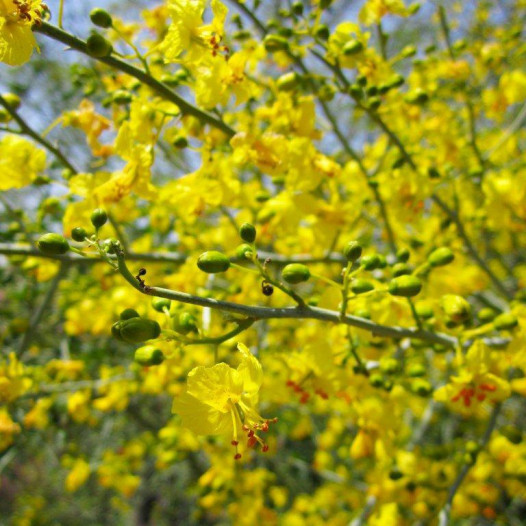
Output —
(241, 34)
(389, 366)
(403, 255)
(382, 261)
(287, 82)
(370, 262)
(297, 8)
(416, 370)
(372, 91)
(111, 244)
(295, 273)
(440, 257)
(5, 116)
(395, 474)
(79, 234)
(400, 269)
(398, 163)
(486, 315)
(52, 244)
(127, 314)
(395, 81)
(324, 4)
(424, 311)
(275, 43)
(505, 321)
(356, 91)
(213, 262)
(326, 92)
(457, 309)
(421, 387)
(247, 232)
(159, 304)
(376, 380)
(512, 433)
(99, 218)
(406, 286)
(359, 286)
(101, 18)
(98, 46)
(433, 173)
(180, 142)
(417, 97)
(262, 196)
(121, 97)
(149, 355)
(185, 323)
(322, 32)
(363, 313)
(374, 103)
(244, 251)
(12, 100)
(440, 349)
(138, 330)
(116, 331)
(352, 251)
(352, 47)
(286, 32)
(361, 80)
(408, 51)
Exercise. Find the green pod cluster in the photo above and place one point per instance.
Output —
(97, 46)
(185, 323)
(247, 232)
(352, 47)
(149, 355)
(79, 234)
(505, 321)
(440, 257)
(352, 251)
(371, 262)
(405, 286)
(400, 269)
(421, 387)
(213, 262)
(159, 304)
(136, 330)
(360, 286)
(295, 273)
(100, 17)
(275, 43)
(52, 244)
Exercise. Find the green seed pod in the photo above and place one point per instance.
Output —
(52, 244)
(12, 100)
(286, 32)
(359, 286)
(370, 262)
(352, 47)
(417, 97)
(440, 349)
(262, 196)
(295, 273)
(79, 234)
(512, 433)
(275, 43)
(101, 18)
(400, 269)
(356, 91)
(159, 304)
(247, 232)
(406, 286)
(363, 313)
(505, 321)
(287, 82)
(398, 163)
(99, 218)
(241, 34)
(297, 8)
(361, 80)
(433, 173)
(376, 380)
(416, 370)
(371, 91)
(424, 311)
(185, 323)
(395, 81)
(352, 251)
(389, 366)
(440, 257)
(138, 330)
(127, 314)
(408, 51)
(116, 331)
(121, 97)
(324, 4)
(486, 315)
(5, 116)
(322, 32)
(421, 387)
(382, 261)
(111, 244)
(149, 355)
(457, 309)
(213, 262)
(98, 46)
(244, 251)
(180, 142)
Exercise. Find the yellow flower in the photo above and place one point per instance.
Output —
(475, 384)
(221, 400)
(8, 428)
(78, 475)
(16, 38)
(374, 10)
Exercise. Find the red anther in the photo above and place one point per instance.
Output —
(481, 397)
(274, 420)
(467, 401)
(245, 427)
(264, 448)
(304, 398)
(251, 442)
(298, 388)
(264, 427)
(250, 434)
(488, 387)
(237, 456)
(234, 442)
(290, 383)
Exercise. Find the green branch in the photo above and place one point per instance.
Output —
(161, 89)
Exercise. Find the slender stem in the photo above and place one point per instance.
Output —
(17, 218)
(242, 326)
(443, 518)
(43, 307)
(161, 89)
(416, 317)
(27, 130)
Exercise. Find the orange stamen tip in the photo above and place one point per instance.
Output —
(264, 448)
(251, 441)
(234, 442)
(237, 456)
